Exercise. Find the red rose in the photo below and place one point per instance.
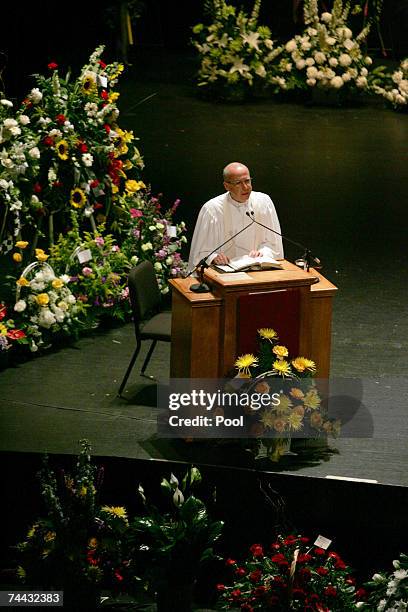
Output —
(230, 562)
(49, 141)
(61, 119)
(333, 555)
(259, 591)
(257, 550)
(304, 540)
(322, 571)
(255, 576)
(94, 183)
(37, 188)
(340, 564)
(320, 552)
(304, 558)
(305, 573)
(275, 546)
(82, 147)
(52, 66)
(279, 581)
(104, 94)
(97, 205)
(361, 593)
(299, 593)
(247, 608)
(27, 102)
(3, 311)
(220, 587)
(291, 539)
(330, 591)
(350, 580)
(57, 184)
(15, 334)
(118, 576)
(279, 558)
(240, 571)
(236, 594)
(107, 127)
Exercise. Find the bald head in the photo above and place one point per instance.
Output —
(237, 180)
(233, 169)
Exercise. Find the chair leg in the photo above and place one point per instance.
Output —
(130, 368)
(149, 354)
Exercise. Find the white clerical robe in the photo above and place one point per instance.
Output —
(222, 217)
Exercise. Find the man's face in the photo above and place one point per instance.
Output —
(239, 184)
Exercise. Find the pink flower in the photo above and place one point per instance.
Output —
(115, 248)
(99, 241)
(134, 213)
(86, 271)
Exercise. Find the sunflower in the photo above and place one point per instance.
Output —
(267, 418)
(62, 149)
(78, 198)
(295, 421)
(284, 405)
(267, 333)
(88, 84)
(302, 363)
(245, 362)
(282, 367)
(118, 511)
(312, 399)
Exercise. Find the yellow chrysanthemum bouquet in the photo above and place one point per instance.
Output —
(295, 409)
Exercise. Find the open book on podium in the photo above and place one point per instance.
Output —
(249, 264)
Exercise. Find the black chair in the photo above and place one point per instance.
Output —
(145, 299)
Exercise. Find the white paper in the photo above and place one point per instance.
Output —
(322, 542)
(84, 256)
(172, 231)
(102, 80)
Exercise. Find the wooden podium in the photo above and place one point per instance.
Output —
(210, 330)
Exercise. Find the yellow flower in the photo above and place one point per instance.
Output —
(22, 282)
(312, 399)
(127, 164)
(132, 186)
(267, 419)
(114, 188)
(57, 283)
(282, 367)
(62, 149)
(302, 363)
(113, 96)
(295, 421)
(42, 299)
(280, 351)
(3, 330)
(297, 393)
(18, 258)
(21, 244)
(92, 543)
(118, 511)
(32, 531)
(88, 84)
(244, 362)
(267, 333)
(21, 573)
(40, 255)
(78, 198)
(284, 405)
(49, 536)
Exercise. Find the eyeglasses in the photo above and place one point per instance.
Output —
(247, 181)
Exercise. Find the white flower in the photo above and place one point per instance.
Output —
(404, 86)
(260, 71)
(333, 62)
(400, 574)
(169, 260)
(400, 99)
(239, 66)
(52, 175)
(37, 286)
(337, 82)
(312, 31)
(326, 17)
(87, 159)
(364, 72)
(368, 61)
(312, 72)
(62, 305)
(378, 578)
(330, 40)
(34, 199)
(34, 153)
(346, 76)
(20, 306)
(71, 299)
(361, 82)
(319, 57)
(164, 290)
(24, 119)
(46, 318)
(35, 96)
(4, 184)
(91, 109)
(251, 40)
(16, 205)
(344, 32)
(291, 46)
(348, 44)
(134, 259)
(300, 64)
(152, 228)
(305, 46)
(147, 246)
(309, 61)
(397, 76)
(6, 103)
(158, 266)
(160, 226)
(311, 82)
(344, 59)
(352, 72)
(65, 278)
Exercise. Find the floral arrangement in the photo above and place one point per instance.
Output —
(9, 333)
(326, 55)
(386, 592)
(299, 412)
(293, 575)
(236, 55)
(153, 235)
(64, 151)
(79, 543)
(394, 88)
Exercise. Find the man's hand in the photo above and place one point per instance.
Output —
(221, 259)
(255, 253)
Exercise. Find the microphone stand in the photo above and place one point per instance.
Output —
(307, 258)
(201, 286)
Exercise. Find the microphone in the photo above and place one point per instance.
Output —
(202, 287)
(307, 257)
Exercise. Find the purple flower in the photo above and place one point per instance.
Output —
(73, 279)
(136, 233)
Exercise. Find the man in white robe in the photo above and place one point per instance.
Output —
(225, 215)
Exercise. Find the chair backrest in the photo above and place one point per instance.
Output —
(144, 290)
